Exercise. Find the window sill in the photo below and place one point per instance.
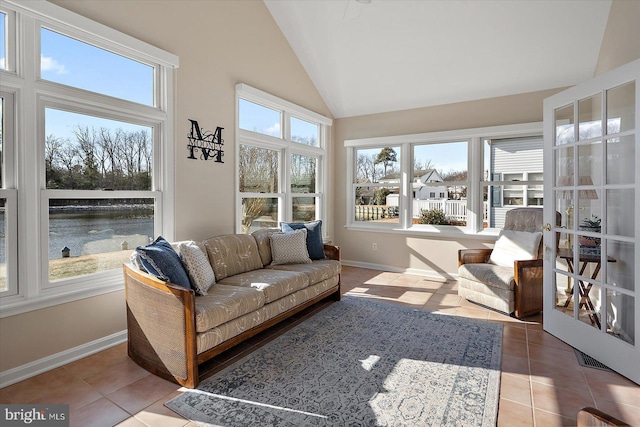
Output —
(19, 304)
(439, 232)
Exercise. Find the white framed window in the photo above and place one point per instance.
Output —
(442, 182)
(281, 161)
(100, 135)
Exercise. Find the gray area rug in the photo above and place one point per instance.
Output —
(359, 362)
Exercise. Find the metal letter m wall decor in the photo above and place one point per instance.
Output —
(209, 143)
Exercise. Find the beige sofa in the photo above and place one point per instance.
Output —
(171, 330)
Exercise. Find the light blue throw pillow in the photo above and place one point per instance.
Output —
(314, 236)
(161, 260)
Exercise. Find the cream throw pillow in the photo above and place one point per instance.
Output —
(514, 246)
(290, 248)
(197, 265)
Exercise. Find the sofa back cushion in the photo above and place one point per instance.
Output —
(232, 254)
(263, 239)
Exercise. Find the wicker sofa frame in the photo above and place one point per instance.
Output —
(161, 325)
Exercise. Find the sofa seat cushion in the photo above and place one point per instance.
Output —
(232, 254)
(489, 274)
(273, 283)
(224, 303)
(316, 272)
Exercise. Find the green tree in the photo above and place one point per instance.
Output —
(386, 156)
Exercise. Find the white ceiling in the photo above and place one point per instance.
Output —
(399, 54)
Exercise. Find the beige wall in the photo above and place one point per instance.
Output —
(220, 44)
(621, 40)
(403, 251)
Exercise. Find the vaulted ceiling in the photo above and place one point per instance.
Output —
(392, 55)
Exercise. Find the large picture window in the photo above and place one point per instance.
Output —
(99, 133)
(444, 182)
(281, 161)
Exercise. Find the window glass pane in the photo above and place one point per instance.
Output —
(89, 153)
(259, 212)
(621, 108)
(377, 204)
(98, 233)
(256, 118)
(534, 192)
(303, 174)
(512, 194)
(304, 132)
(74, 63)
(3, 41)
(378, 165)
(304, 208)
(258, 170)
(4, 287)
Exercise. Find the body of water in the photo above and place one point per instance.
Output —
(88, 232)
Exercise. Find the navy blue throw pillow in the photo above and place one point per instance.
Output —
(161, 260)
(314, 236)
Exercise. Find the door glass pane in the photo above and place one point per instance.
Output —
(590, 116)
(621, 108)
(589, 212)
(589, 310)
(74, 63)
(305, 132)
(260, 119)
(564, 167)
(304, 209)
(258, 170)
(84, 152)
(93, 235)
(4, 287)
(621, 160)
(621, 316)
(564, 285)
(259, 212)
(565, 205)
(621, 212)
(590, 164)
(564, 125)
(303, 174)
(621, 264)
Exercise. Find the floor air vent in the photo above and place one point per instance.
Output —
(590, 362)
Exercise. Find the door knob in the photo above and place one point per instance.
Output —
(546, 227)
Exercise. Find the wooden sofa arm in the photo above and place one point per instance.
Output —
(528, 275)
(592, 417)
(332, 252)
(161, 327)
(473, 256)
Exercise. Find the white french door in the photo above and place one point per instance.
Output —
(591, 177)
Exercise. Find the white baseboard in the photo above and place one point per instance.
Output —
(437, 275)
(48, 363)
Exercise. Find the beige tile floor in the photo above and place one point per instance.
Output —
(542, 383)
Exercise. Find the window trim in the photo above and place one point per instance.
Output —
(475, 179)
(32, 95)
(286, 148)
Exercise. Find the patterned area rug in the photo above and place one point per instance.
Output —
(359, 362)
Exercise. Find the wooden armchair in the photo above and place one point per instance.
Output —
(516, 289)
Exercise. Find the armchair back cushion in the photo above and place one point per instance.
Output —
(514, 246)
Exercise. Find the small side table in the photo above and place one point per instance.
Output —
(585, 300)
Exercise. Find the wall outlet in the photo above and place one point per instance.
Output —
(374, 247)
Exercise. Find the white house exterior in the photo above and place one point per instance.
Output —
(514, 160)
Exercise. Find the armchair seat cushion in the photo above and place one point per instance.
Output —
(489, 274)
